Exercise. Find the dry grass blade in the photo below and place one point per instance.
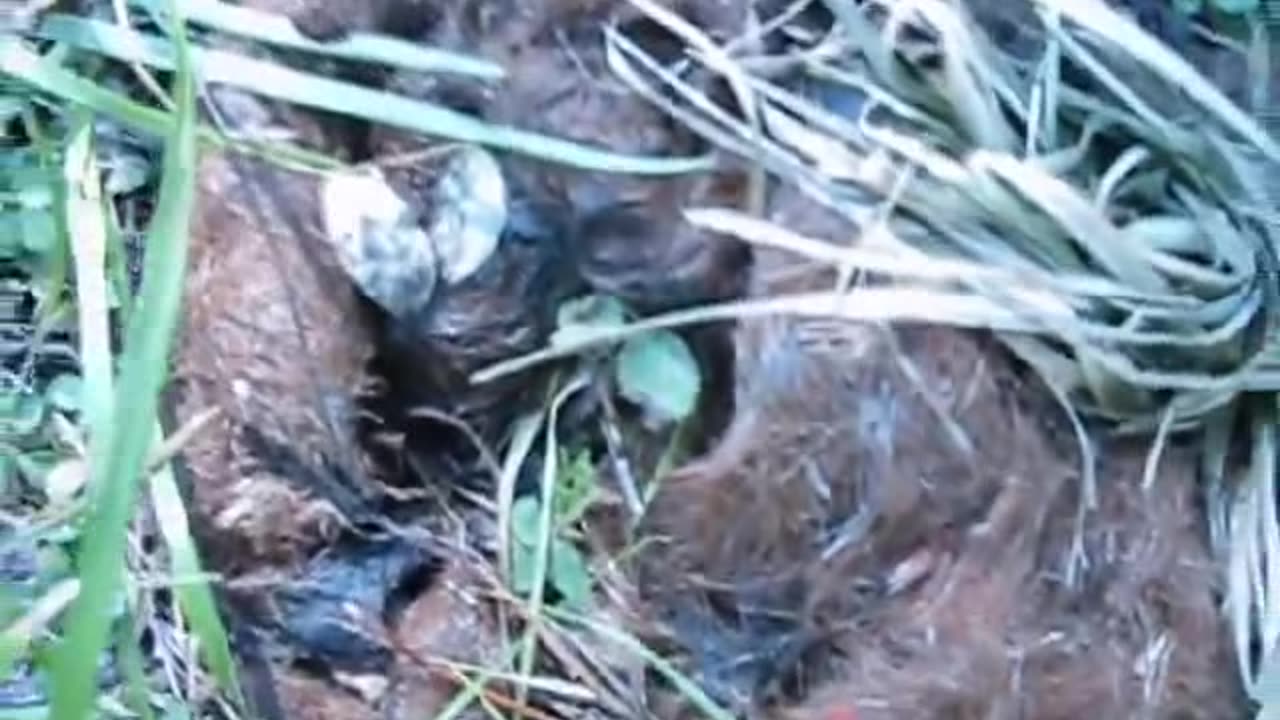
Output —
(221, 67)
(546, 528)
(87, 228)
(978, 214)
(1092, 198)
(1101, 20)
(277, 30)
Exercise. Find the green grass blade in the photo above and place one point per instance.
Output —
(45, 75)
(134, 669)
(323, 93)
(118, 266)
(88, 228)
(56, 277)
(473, 688)
(546, 531)
(16, 639)
(195, 598)
(277, 30)
(19, 62)
(118, 452)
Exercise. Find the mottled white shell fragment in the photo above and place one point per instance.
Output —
(395, 261)
(470, 212)
(378, 241)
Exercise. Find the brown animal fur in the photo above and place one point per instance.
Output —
(953, 603)
(274, 338)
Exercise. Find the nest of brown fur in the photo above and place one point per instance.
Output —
(885, 524)
(843, 550)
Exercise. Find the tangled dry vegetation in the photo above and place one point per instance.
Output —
(961, 403)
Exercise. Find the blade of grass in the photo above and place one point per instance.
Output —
(523, 434)
(1213, 468)
(88, 227)
(860, 304)
(118, 266)
(44, 74)
(118, 451)
(145, 78)
(195, 598)
(324, 93)
(472, 690)
(136, 695)
(687, 687)
(277, 30)
(546, 529)
(16, 639)
(1110, 25)
(1249, 603)
(1268, 527)
(55, 281)
(1089, 226)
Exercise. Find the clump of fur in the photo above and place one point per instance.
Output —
(275, 337)
(888, 528)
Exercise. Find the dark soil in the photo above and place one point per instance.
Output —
(881, 526)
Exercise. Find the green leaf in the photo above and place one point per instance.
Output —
(658, 372)
(523, 568)
(524, 532)
(65, 392)
(524, 520)
(570, 574)
(578, 317)
(118, 449)
(21, 414)
(39, 231)
(576, 486)
(10, 235)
